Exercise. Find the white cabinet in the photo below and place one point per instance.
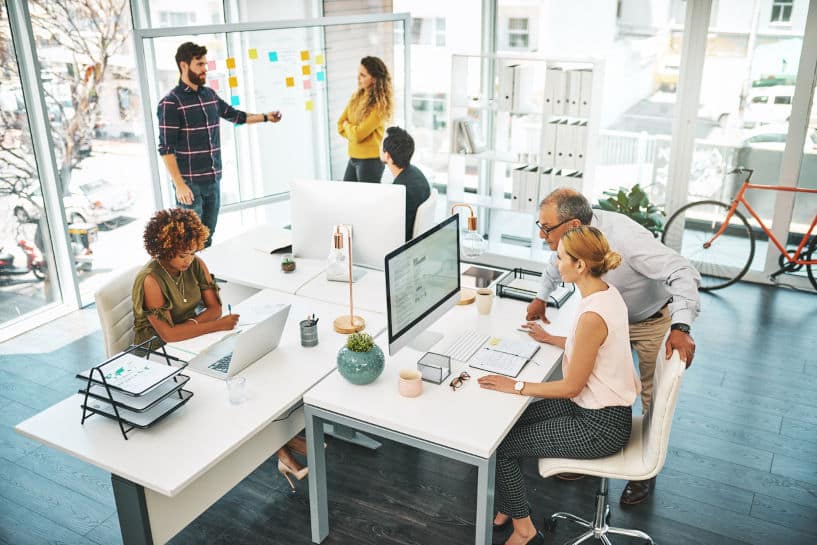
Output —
(520, 127)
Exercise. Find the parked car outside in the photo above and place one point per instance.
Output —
(96, 201)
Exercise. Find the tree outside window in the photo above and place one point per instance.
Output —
(781, 11)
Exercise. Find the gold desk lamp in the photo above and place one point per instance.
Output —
(351, 323)
(471, 245)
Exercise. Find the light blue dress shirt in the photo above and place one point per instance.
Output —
(650, 273)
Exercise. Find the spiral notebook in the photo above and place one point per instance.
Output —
(503, 356)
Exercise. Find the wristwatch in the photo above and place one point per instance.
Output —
(265, 118)
(518, 387)
(683, 328)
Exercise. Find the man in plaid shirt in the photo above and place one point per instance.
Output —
(189, 135)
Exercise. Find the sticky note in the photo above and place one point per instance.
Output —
(211, 65)
(305, 70)
(234, 100)
(290, 82)
(233, 81)
(307, 84)
(308, 106)
(319, 58)
(321, 76)
(304, 55)
(273, 56)
(213, 83)
(253, 53)
(230, 63)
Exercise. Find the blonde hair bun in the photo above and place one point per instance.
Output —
(611, 260)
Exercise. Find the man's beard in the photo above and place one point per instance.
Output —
(198, 79)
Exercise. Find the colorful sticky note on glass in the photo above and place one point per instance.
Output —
(307, 84)
(319, 58)
(273, 56)
(321, 76)
(253, 53)
(304, 55)
(213, 83)
(211, 65)
(290, 82)
(234, 100)
(305, 70)
(230, 63)
(233, 81)
(308, 106)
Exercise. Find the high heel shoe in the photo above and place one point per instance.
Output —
(286, 471)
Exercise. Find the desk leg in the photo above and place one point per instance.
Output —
(133, 512)
(486, 473)
(316, 458)
(345, 433)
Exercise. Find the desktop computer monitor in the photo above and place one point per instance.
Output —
(422, 284)
(376, 212)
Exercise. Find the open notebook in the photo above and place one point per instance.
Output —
(503, 356)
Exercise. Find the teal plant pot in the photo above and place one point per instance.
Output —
(361, 367)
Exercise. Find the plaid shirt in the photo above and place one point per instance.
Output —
(189, 127)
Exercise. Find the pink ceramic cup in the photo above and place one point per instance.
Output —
(411, 383)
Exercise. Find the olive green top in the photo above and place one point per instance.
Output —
(182, 295)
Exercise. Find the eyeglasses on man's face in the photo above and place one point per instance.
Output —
(459, 381)
(548, 230)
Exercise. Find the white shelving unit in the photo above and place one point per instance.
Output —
(534, 124)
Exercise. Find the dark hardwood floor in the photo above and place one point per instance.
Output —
(741, 468)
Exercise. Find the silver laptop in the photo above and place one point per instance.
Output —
(231, 355)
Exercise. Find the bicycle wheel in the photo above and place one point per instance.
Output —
(728, 258)
(812, 254)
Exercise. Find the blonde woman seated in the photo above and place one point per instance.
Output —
(586, 414)
(174, 285)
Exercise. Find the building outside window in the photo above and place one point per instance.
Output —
(428, 31)
(781, 11)
(518, 33)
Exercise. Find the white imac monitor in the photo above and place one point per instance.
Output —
(376, 212)
(422, 284)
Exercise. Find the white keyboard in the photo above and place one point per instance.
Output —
(465, 345)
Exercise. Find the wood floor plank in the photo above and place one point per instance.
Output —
(689, 401)
(32, 369)
(715, 447)
(797, 429)
(781, 512)
(72, 473)
(28, 393)
(795, 469)
(14, 446)
(22, 526)
(107, 533)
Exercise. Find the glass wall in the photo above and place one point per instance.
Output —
(25, 249)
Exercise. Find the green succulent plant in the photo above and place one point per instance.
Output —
(635, 204)
(359, 342)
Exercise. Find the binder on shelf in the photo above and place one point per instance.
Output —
(555, 91)
(549, 145)
(523, 89)
(466, 136)
(580, 139)
(545, 183)
(574, 84)
(564, 138)
(518, 190)
(586, 93)
(530, 204)
(507, 76)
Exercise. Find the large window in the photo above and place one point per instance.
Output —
(781, 11)
(518, 33)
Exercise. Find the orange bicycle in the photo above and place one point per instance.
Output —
(718, 240)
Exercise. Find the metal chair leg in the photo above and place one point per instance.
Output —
(572, 518)
(631, 533)
(581, 539)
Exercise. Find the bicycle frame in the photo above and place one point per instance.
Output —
(739, 198)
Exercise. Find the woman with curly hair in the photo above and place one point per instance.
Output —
(170, 287)
(363, 121)
(168, 290)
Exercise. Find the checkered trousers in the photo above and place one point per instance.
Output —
(555, 428)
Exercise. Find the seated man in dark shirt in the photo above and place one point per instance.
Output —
(398, 147)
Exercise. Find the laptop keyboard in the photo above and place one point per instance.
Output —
(222, 364)
(465, 345)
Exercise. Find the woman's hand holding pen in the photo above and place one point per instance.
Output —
(537, 332)
(227, 322)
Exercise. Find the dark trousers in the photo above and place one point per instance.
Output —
(364, 170)
(206, 202)
(555, 428)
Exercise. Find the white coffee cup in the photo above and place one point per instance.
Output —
(485, 297)
(237, 389)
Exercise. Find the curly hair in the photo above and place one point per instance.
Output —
(172, 232)
(377, 98)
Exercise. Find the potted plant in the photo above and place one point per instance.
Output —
(635, 204)
(287, 263)
(360, 361)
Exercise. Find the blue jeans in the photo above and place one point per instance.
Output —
(206, 202)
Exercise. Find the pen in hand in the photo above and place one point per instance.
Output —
(229, 308)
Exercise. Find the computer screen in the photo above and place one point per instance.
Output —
(376, 212)
(422, 283)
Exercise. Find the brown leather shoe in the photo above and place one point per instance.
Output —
(637, 491)
(570, 476)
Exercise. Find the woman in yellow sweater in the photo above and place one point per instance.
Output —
(363, 121)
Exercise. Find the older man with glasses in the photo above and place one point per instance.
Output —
(659, 286)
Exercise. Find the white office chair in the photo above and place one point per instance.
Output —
(115, 309)
(424, 219)
(641, 459)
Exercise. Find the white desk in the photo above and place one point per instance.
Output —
(166, 476)
(245, 259)
(369, 291)
(466, 425)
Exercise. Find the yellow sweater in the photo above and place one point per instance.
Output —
(364, 135)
